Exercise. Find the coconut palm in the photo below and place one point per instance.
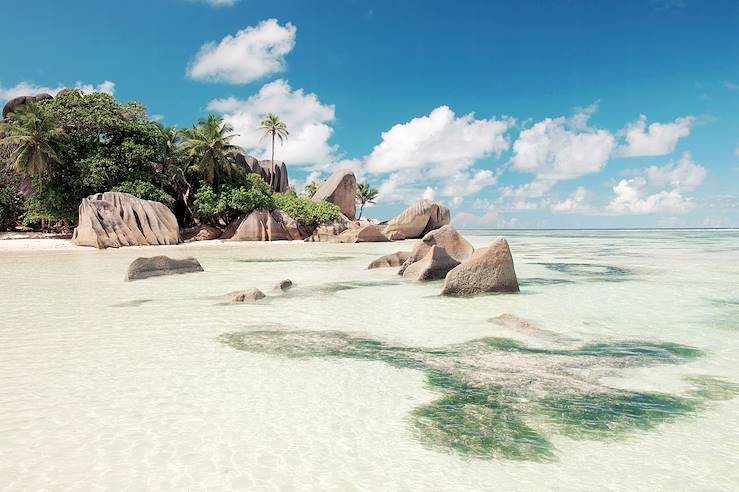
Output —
(365, 194)
(273, 127)
(208, 145)
(37, 141)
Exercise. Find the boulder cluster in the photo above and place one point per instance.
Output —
(445, 254)
(264, 168)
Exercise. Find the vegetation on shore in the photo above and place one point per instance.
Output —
(76, 144)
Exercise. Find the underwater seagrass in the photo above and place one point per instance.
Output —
(500, 399)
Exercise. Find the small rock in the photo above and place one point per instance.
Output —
(200, 233)
(284, 285)
(392, 260)
(246, 295)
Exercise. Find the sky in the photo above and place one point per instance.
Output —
(528, 114)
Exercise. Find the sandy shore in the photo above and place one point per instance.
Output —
(22, 242)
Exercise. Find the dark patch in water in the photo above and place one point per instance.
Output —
(498, 396)
(308, 259)
(607, 273)
(543, 281)
(334, 287)
(133, 303)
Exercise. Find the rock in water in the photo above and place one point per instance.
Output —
(246, 295)
(418, 219)
(340, 189)
(112, 220)
(284, 285)
(434, 266)
(488, 270)
(156, 266)
(448, 238)
(393, 260)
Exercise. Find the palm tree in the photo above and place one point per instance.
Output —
(37, 142)
(171, 162)
(272, 126)
(208, 145)
(365, 194)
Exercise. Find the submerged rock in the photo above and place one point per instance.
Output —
(418, 219)
(392, 260)
(340, 189)
(112, 220)
(448, 238)
(488, 270)
(156, 266)
(433, 266)
(247, 295)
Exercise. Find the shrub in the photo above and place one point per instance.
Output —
(248, 193)
(146, 191)
(305, 211)
(11, 207)
(208, 203)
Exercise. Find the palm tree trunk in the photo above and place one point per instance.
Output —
(272, 173)
(361, 208)
(41, 190)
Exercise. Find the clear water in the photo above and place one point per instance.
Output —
(160, 384)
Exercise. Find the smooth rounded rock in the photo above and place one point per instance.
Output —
(488, 270)
(340, 189)
(392, 260)
(247, 295)
(156, 266)
(434, 266)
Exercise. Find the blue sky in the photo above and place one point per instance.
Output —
(515, 114)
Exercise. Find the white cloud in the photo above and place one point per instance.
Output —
(686, 175)
(578, 202)
(466, 219)
(655, 139)
(303, 113)
(557, 149)
(440, 143)
(731, 85)
(220, 3)
(632, 199)
(31, 89)
(251, 54)
(429, 193)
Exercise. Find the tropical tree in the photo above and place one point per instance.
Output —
(273, 127)
(208, 145)
(311, 188)
(365, 194)
(37, 142)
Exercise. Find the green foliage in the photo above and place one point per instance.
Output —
(145, 190)
(11, 207)
(365, 194)
(311, 188)
(208, 145)
(246, 193)
(306, 212)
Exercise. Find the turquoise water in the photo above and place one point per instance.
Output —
(623, 375)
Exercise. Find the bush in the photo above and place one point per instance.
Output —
(11, 207)
(208, 203)
(305, 211)
(146, 191)
(248, 193)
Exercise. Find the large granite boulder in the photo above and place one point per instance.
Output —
(200, 233)
(488, 270)
(112, 220)
(433, 266)
(265, 225)
(448, 238)
(340, 189)
(418, 219)
(19, 101)
(392, 260)
(281, 182)
(156, 266)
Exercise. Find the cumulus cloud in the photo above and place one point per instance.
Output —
(220, 3)
(578, 202)
(440, 142)
(655, 139)
(557, 149)
(685, 175)
(438, 150)
(249, 55)
(631, 198)
(31, 89)
(306, 117)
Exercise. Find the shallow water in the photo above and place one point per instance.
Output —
(624, 376)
